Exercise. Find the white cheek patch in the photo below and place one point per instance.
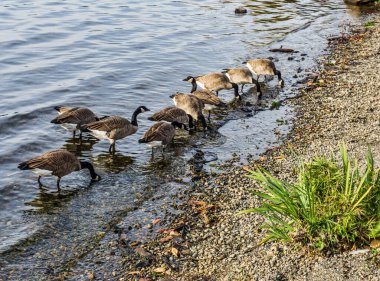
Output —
(42, 172)
(174, 101)
(69, 127)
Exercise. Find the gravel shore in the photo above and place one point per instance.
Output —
(209, 241)
(341, 104)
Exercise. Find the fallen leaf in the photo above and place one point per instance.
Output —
(280, 157)
(263, 158)
(205, 218)
(142, 252)
(174, 252)
(90, 276)
(134, 243)
(375, 244)
(156, 221)
(161, 230)
(159, 270)
(174, 233)
(166, 239)
(247, 168)
(134, 272)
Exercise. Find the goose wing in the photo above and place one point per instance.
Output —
(76, 115)
(207, 97)
(160, 131)
(108, 124)
(60, 162)
(170, 114)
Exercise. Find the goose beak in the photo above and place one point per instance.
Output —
(97, 178)
(172, 96)
(244, 62)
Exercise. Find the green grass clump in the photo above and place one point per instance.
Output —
(333, 205)
(369, 24)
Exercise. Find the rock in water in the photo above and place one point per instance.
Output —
(240, 10)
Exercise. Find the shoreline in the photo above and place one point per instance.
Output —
(210, 242)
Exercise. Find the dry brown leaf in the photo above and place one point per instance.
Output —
(134, 272)
(156, 221)
(280, 157)
(375, 244)
(205, 218)
(174, 233)
(166, 239)
(142, 252)
(174, 251)
(161, 230)
(197, 203)
(159, 270)
(247, 168)
(134, 243)
(263, 158)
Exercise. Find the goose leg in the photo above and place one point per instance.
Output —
(74, 134)
(258, 89)
(112, 147)
(39, 182)
(217, 93)
(242, 86)
(80, 134)
(204, 124)
(209, 114)
(58, 181)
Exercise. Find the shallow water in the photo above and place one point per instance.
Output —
(112, 57)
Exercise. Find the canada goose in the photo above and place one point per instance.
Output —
(114, 128)
(161, 134)
(72, 119)
(57, 163)
(264, 67)
(214, 81)
(191, 105)
(171, 114)
(209, 99)
(242, 76)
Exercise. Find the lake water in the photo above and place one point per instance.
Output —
(113, 56)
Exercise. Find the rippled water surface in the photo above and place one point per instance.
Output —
(113, 56)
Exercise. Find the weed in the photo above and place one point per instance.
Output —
(332, 205)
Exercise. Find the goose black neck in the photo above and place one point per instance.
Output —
(88, 165)
(194, 83)
(134, 117)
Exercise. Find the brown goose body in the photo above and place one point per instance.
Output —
(171, 114)
(161, 134)
(264, 67)
(214, 81)
(240, 76)
(209, 99)
(113, 128)
(191, 105)
(72, 119)
(57, 163)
